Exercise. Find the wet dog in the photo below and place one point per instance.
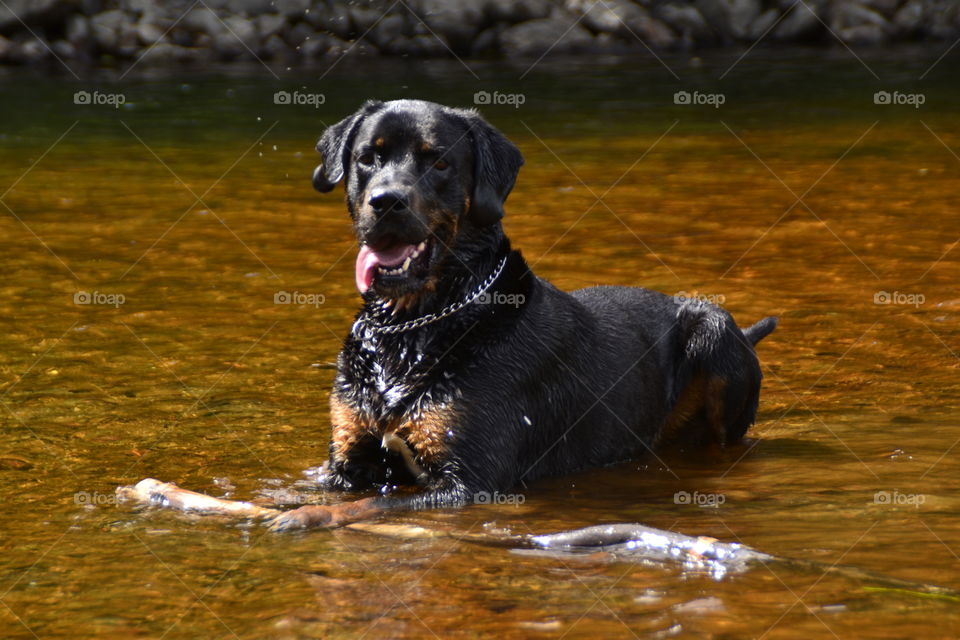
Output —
(465, 374)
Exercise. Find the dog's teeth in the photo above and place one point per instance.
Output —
(421, 246)
(406, 264)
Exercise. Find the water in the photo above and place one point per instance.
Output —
(192, 202)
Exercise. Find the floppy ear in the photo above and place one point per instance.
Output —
(334, 147)
(496, 162)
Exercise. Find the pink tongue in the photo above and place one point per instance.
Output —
(368, 260)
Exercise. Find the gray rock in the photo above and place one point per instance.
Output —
(487, 42)
(332, 17)
(270, 24)
(148, 33)
(422, 45)
(800, 23)
(30, 52)
(363, 18)
(730, 19)
(275, 48)
(78, 29)
(202, 20)
(741, 14)
(885, 7)
(538, 37)
(64, 50)
(624, 19)
(30, 11)
(514, 11)
(293, 9)
(387, 30)
(248, 7)
(909, 18)
(316, 47)
(868, 34)
(845, 15)
(243, 29)
(763, 23)
(166, 54)
(114, 32)
(457, 22)
(298, 34)
(687, 21)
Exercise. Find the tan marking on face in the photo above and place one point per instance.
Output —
(379, 142)
(425, 147)
(427, 434)
(348, 427)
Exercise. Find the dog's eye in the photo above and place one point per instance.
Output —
(366, 158)
(441, 164)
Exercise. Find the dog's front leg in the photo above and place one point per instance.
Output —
(448, 494)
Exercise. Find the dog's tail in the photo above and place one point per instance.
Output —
(761, 330)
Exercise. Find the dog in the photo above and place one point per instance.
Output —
(464, 373)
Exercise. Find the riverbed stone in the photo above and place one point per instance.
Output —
(270, 24)
(78, 30)
(203, 20)
(30, 11)
(800, 23)
(458, 22)
(687, 21)
(514, 11)
(556, 35)
(908, 19)
(763, 23)
(623, 19)
(148, 33)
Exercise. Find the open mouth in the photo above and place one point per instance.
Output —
(391, 264)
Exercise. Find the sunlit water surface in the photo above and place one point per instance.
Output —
(798, 197)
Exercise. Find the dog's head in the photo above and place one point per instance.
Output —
(421, 178)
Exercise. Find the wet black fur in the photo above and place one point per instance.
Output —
(562, 382)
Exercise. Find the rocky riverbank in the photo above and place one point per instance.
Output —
(109, 32)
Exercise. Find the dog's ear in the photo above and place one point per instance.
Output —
(334, 147)
(496, 162)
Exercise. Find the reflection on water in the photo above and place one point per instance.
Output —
(178, 218)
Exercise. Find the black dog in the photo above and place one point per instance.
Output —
(466, 373)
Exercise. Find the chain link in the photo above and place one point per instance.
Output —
(430, 318)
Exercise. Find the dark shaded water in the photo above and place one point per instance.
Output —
(192, 202)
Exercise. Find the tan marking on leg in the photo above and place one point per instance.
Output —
(427, 434)
(716, 386)
(686, 407)
(348, 426)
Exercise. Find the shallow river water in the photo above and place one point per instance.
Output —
(143, 248)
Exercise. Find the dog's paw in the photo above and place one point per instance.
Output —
(308, 517)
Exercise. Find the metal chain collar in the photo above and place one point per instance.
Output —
(430, 318)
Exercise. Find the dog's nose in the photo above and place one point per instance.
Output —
(385, 200)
